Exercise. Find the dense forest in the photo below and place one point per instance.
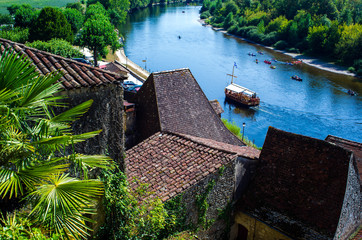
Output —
(324, 28)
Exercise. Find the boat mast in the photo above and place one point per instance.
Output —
(232, 75)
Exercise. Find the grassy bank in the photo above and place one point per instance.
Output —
(35, 3)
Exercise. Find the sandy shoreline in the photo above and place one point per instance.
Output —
(313, 62)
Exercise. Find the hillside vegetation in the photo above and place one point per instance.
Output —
(325, 28)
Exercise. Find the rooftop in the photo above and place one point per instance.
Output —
(355, 147)
(75, 74)
(299, 177)
(173, 101)
(171, 163)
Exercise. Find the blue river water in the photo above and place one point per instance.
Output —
(171, 37)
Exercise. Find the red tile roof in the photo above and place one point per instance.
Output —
(170, 163)
(76, 74)
(173, 101)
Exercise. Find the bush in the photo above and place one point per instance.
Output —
(293, 50)
(205, 15)
(270, 38)
(244, 30)
(281, 45)
(233, 29)
(351, 69)
(6, 19)
(58, 47)
(17, 34)
(255, 35)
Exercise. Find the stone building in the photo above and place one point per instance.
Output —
(173, 101)
(304, 188)
(82, 82)
(173, 163)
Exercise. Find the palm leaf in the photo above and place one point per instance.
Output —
(61, 203)
(15, 70)
(68, 139)
(73, 113)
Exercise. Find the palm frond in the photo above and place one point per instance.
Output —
(68, 139)
(61, 203)
(15, 70)
(73, 113)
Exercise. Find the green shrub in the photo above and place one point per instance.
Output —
(270, 38)
(281, 45)
(233, 29)
(58, 47)
(17, 34)
(255, 35)
(6, 19)
(351, 69)
(205, 15)
(293, 50)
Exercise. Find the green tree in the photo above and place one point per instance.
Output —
(98, 32)
(36, 152)
(349, 47)
(77, 5)
(317, 37)
(74, 18)
(6, 19)
(51, 23)
(24, 17)
(14, 7)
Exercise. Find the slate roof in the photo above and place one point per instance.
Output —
(173, 101)
(76, 74)
(299, 177)
(171, 163)
(355, 147)
(216, 106)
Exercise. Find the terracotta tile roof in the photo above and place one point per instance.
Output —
(170, 163)
(173, 101)
(299, 177)
(358, 235)
(76, 74)
(355, 147)
(216, 106)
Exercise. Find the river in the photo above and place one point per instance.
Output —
(171, 37)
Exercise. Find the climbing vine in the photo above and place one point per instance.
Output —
(202, 205)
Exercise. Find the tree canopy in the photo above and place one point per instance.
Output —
(98, 32)
(51, 23)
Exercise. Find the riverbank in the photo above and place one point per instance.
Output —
(313, 62)
(133, 67)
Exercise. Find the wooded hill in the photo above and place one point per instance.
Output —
(325, 28)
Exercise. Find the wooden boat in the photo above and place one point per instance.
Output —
(241, 95)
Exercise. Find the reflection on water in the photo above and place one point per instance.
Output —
(317, 106)
(240, 110)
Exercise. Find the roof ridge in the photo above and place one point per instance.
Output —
(57, 56)
(218, 148)
(168, 71)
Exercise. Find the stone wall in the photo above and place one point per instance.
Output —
(256, 229)
(218, 199)
(351, 215)
(106, 113)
